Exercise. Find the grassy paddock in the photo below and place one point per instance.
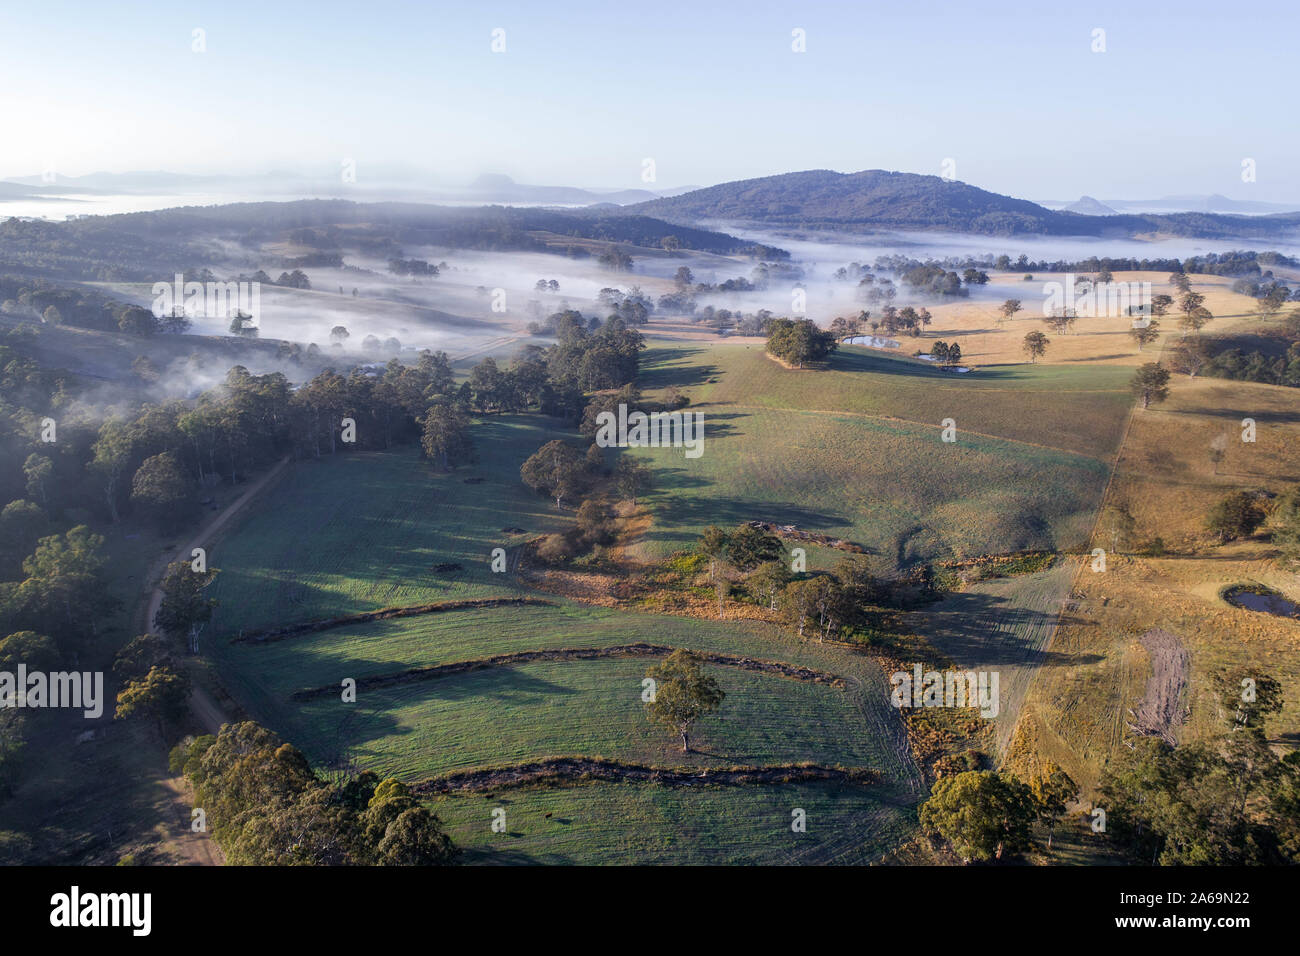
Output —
(856, 451)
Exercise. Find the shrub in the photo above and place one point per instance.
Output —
(555, 549)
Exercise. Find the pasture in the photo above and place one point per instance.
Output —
(856, 451)
(362, 531)
(1166, 476)
(367, 530)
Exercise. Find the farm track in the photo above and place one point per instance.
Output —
(1026, 699)
(199, 847)
(559, 769)
(272, 635)
(436, 671)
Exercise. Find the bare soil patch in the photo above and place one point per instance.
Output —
(1162, 711)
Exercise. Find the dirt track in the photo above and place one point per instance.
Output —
(556, 769)
(436, 671)
(196, 847)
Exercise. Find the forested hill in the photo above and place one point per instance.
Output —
(140, 246)
(877, 199)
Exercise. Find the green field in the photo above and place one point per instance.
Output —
(855, 451)
(361, 531)
(633, 823)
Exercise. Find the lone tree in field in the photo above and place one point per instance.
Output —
(981, 814)
(1052, 789)
(1118, 524)
(633, 478)
(683, 694)
(1236, 516)
(1009, 308)
(1145, 334)
(446, 437)
(1036, 345)
(1151, 384)
(799, 341)
(556, 468)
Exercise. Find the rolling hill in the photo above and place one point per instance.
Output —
(878, 199)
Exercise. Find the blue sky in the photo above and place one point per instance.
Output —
(711, 91)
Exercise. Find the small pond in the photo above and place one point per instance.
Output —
(1254, 598)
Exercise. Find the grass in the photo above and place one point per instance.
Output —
(364, 531)
(856, 451)
(359, 532)
(603, 823)
(514, 713)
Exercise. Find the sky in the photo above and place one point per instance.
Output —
(1014, 100)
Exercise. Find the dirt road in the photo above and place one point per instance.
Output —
(198, 848)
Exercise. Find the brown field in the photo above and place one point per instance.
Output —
(1102, 340)
(1080, 715)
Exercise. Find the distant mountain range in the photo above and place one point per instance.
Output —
(876, 199)
(1212, 203)
(373, 185)
(819, 199)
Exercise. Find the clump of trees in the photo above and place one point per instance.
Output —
(986, 816)
(1238, 515)
(266, 806)
(1225, 801)
(749, 563)
(946, 355)
(799, 341)
(1285, 525)
(981, 814)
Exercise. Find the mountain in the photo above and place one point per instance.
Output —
(1087, 206)
(1213, 203)
(876, 199)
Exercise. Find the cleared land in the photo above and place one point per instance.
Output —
(856, 452)
(1079, 716)
(366, 531)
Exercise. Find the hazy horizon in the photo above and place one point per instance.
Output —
(584, 95)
